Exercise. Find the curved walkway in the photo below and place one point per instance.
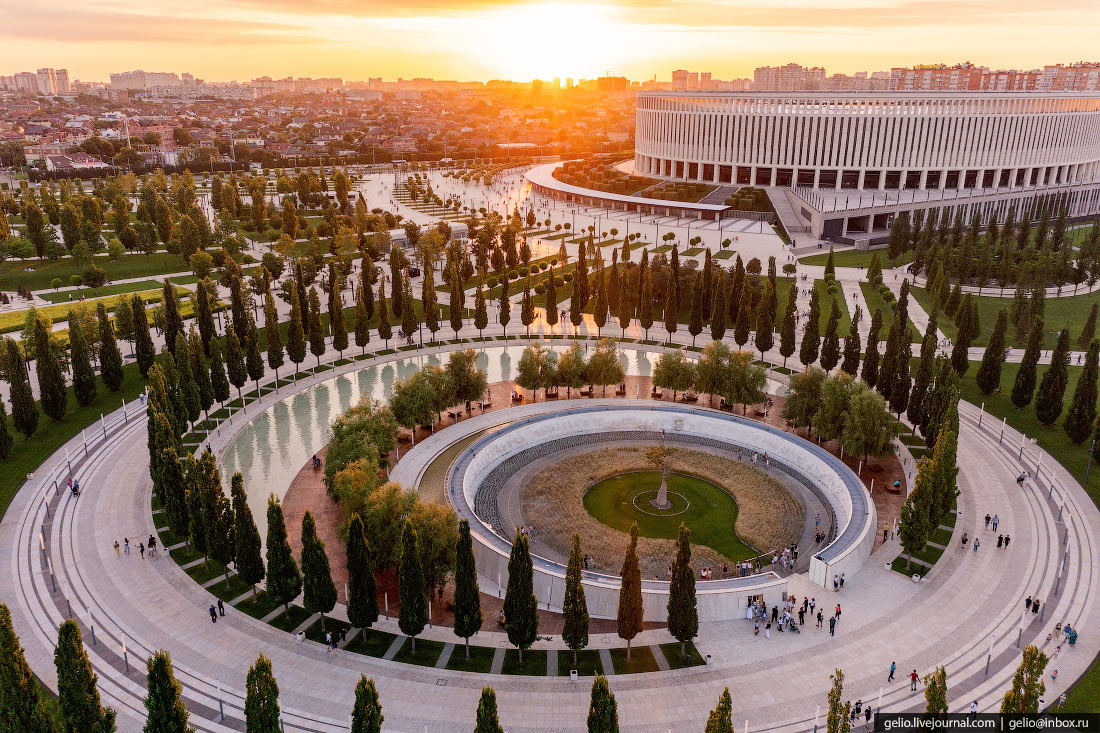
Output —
(968, 601)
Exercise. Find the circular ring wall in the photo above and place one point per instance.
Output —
(481, 469)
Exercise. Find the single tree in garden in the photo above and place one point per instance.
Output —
(868, 427)
(366, 716)
(811, 341)
(362, 318)
(204, 314)
(742, 326)
(51, 382)
(989, 373)
(144, 350)
(481, 313)
(550, 303)
(284, 581)
(1088, 331)
(830, 343)
(6, 441)
(253, 359)
(272, 337)
(765, 320)
(22, 707)
(487, 721)
(852, 348)
(219, 383)
(935, 692)
(695, 317)
(409, 322)
(110, 358)
(603, 713)
(320, 591)
(1024, 387)
(787, 330)
(295, 332)
(411, 586)
(869, 372)
(234, 360)
(839, 719)
(316, 331)
(362, 598)
(645, 304)
(1028, 687)
(504, 307)
(385, 330)
(630, 592)
(1052, 388)
(23, 408)
(916, 511)
(246, 538)
(261, 702)
(457, 301)
(521, 618)
(683, 614)
(721, 718)
(77, 695)
(670, 314)
(173, 319)
(467, 599)
(84, 386)
(960, 353)
(1082, 411)
(574, 606)
(163, 703)
(923, 378)
(718, 309)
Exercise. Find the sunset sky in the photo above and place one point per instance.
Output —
(472, 39)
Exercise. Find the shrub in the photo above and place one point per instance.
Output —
(511, 275)
(540, 289)
(888, 296)
(524, 272)
(553, 261)
(829, 277)
(75, 280)
(492, 281)
(568, 277)
(543, 266)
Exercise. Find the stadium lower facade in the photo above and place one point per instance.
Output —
(841, 167)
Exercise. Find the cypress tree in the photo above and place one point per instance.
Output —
(521, 618)
(718, 309)
(362, 592)
(683, 614)
(172, 490)
(409, 321)
(1052, 388)
(720, 720)
(527, 306)
(218, 381)
(1024, 386)
(272, 337)
(871, 358)
(574, 606)
(960, 353)
(1088, 331)
(457, 301)
(787, 333)
(830, 267)
(411, 587)
(695, 319)
(923, 378)
(737, 285)
(481, 313)
(336, 314)
(366, 716)
(852, 346)
(1082, 411)
(811, 341)
(504, 306)
(897, 348)
(603, 715)
(362, 318)
(428, 301)
(467, 599)
(21, 706)
(385, 331)
(899, 390)
(295, 333)
(670, 314)
(989, 374)
(284, 582)
(744, 323)
(83, 375)
(316, 331)
(397, 287)
(630, 592)
(935, 692)
(645, 305)
(320, 591)
(51, 382)
(189, 391)
(941, 405)
(254, 360)
(77, 695)
(487, 721)
(765, 319)
(550, 304)
(236, 303)
(234, 360)
(261, 702)
(830, 343)
(143, 340)
(166, 713)
(204, 313)
(954, 301)
(110, 358)
(6, 441)
(246, 538)
(916, 511)
(173, 320)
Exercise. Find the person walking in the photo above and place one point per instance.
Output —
(213, 614)
(842, 581)
(867, 716)
(802, 617)
(893, 666)
(141, 549)
(126, 545)
(832, 626)
(996, 521)
(885, 531)
(1035, 608)
(977, 543)
(1000, 541)
(221, 607)
(913, 677)
(328, 642)
(987, 518)
(152, 545)
(837, 612)
(117, 554)
(1027, 604)
(1007, 540)
(974, 708)
(820, 616)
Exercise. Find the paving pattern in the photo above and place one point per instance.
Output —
(63, 563)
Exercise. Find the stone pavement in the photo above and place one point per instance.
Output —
(949, 618)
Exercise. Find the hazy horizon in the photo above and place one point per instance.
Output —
(477, 41)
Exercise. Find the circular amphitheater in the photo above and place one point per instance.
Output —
(59, 562)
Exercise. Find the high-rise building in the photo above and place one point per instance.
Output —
(938, 78)
(51, 81)
(791, 77)
(1079, 77)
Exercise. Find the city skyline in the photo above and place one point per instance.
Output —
(466, 41)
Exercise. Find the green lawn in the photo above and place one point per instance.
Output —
(1069, 312)
(133, 287)
(875, 302)
(264, 605)
(14, 320)
(290, 621)
(826, 306)
(709, 510)
(588, 663)
(675, 661)
(426, 655)
(856, 258)
(37, 274)
(481, 659)
(371, 643)
(641, 660)
(534, 663)
(333, 625)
